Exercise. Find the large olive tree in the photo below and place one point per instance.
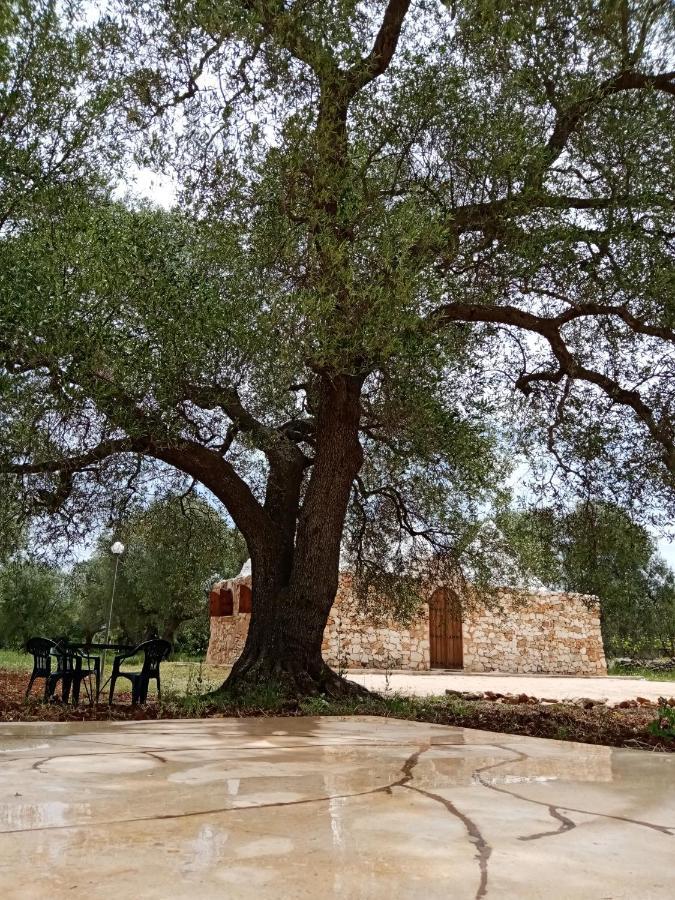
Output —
(410, 239)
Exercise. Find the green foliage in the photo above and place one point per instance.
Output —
(172, 548)
(664, 724)
(466, 210)
(34, 600)
(50, 105)
(598, 549)
(11, 533)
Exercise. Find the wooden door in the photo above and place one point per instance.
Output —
(445, 630)
(245, 597)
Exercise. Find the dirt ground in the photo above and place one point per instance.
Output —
(594, 724)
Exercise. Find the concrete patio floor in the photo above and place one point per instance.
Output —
(327, 808)
(561, 687)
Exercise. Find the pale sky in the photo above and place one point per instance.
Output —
(667, 551)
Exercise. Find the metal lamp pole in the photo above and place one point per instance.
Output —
(117, 550)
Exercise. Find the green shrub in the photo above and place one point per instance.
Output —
(664, 724)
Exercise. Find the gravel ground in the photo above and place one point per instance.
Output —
(613, 689)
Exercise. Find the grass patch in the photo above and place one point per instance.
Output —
(642, 672)
(180, 677)
(664, 724)
(15, 661)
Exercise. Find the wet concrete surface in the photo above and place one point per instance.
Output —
(434, 683)
(327, 808)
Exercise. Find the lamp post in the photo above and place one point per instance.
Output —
(117, 550)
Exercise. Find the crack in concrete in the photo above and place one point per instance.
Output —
(565, 825)
(37, 765)
(554, 809)
(156, 756)
(406, 769)
(483, 849)
(132, 750)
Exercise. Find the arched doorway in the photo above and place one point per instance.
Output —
(445, 630)
(221, 602)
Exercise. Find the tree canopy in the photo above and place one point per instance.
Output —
(412, 242)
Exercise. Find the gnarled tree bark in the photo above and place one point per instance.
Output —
(295, 577)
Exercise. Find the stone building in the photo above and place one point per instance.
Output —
(535, 632)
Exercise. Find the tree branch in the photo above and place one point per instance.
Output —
(276, 443)
(568, 119)
(69, 464)
(192, 85)
(384, 47)
(549, 328)
(222, 479)
(283, 26)
(479, 215)
(199, 462)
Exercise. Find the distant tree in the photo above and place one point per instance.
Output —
(91, 589)
(171, 549)
(34, 601)
(661, 606)
(598, 549)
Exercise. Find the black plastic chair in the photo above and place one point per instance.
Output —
(74, 668)
(154, 652)
(43, 651)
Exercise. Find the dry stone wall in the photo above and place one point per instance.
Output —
(352, 640)
(540, 632)
(228, 633)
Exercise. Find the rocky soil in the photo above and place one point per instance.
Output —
(630, 723)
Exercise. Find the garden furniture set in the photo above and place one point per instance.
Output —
(74, 665)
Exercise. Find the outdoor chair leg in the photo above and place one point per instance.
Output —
(113, 680)
(50, 686)
(76, 691)
(67, 685)
(30, 683)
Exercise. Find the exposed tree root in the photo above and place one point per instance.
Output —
(290, 680)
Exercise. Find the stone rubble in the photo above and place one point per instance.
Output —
(585, 702)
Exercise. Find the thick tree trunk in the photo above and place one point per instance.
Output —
(283, 646)
(291, 603)
(169, 630)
